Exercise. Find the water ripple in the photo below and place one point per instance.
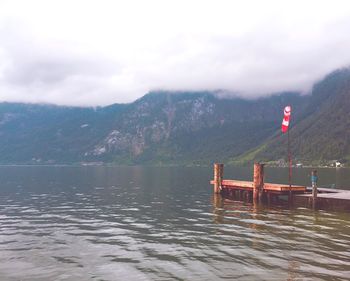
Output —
(136, 234)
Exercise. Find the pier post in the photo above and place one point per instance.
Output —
(269, 199)
(314, 196)
(314, 188)
(218, 175)
(218, 208)
(258, 182)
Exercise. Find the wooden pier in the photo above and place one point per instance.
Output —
(257, 191)
(327, 199)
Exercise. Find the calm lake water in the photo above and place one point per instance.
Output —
(144, 223)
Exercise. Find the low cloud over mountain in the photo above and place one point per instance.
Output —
(98, 53)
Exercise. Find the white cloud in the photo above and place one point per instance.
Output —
(101, 52)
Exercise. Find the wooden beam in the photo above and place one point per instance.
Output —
(218, 175)
(234, 183)
(258, 181)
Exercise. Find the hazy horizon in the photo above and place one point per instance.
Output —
(89, 53)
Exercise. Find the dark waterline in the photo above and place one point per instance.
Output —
(144, 223)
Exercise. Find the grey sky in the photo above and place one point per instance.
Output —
(100, 52)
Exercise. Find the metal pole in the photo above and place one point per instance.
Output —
(289, 171)
(290, 164)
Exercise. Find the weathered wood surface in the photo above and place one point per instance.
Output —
(258, 182)
(248, 185)
(235, 183)
(218, 175)
(282, 188)
(238, 184)
(330, 193)
(258, 190)
(327, 198)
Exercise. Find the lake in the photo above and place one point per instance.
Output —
(147, 223)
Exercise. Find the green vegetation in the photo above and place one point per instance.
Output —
(322, 134)
(198, 128)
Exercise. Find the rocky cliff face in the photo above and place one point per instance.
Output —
(156, 119)
(181, 128)
(190, 127)
(158, 128)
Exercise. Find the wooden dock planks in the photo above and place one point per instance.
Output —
(260, 191)
(327, 199)
(283, 188)
(248, 185)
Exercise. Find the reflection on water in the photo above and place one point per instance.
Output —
(286, 244)
(133, 223)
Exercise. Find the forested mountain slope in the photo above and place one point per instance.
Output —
(182, 128)
(322, 134)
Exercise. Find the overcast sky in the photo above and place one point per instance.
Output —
(81, 52)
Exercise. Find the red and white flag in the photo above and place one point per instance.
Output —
(286, 118)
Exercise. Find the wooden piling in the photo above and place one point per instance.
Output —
(218, 175)
(258, 182)
(248, 196)
(269, 199)
(314, 196)
(321, 198)
(241, 197)
(261, 187)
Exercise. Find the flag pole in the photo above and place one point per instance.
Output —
(285, 128)
(289, 162)
(290, 168)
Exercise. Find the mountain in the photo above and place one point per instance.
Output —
(190, 128)
(161, 127)
(322, 133)
(181, 128)
(51, 134)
